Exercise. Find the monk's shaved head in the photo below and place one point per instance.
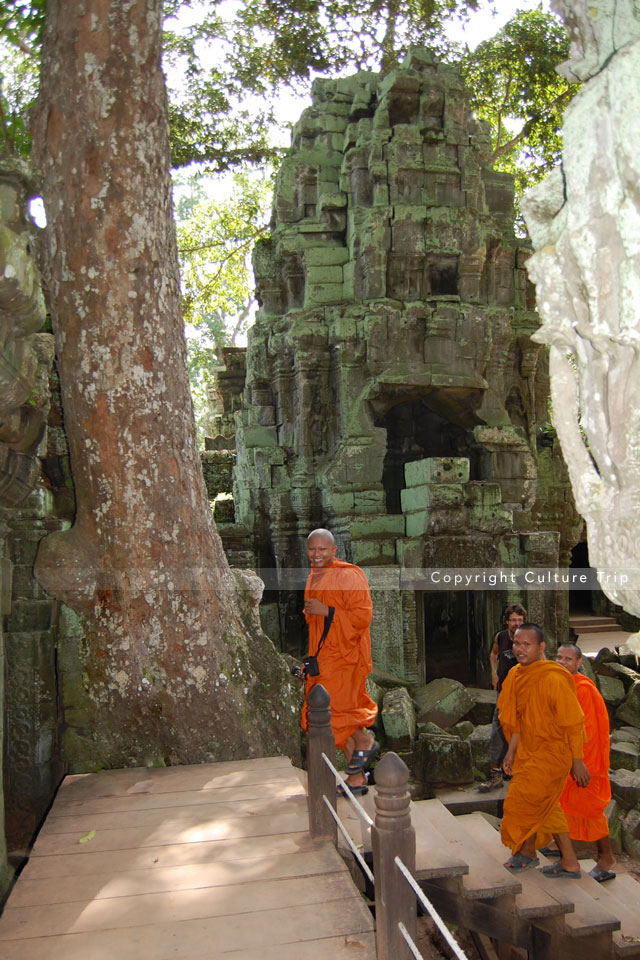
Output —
(321, 532)
(569, 655)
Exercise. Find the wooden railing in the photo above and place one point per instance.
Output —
(393, 838)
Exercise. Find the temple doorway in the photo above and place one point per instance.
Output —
(453, 634)
(583, 601)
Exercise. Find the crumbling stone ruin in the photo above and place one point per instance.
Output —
(29, 715)
(393, 392)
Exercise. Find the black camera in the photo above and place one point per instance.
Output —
(298, 671)
(311, 667)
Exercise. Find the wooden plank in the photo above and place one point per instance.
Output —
(621, 897)
(116, 913)
(154, 801)
(589, 917)
(536, 899)
(100, 886)
(198, 776)
(157, 857)
(197, 831)
(174, 818)
(487, 878)
(197, 939)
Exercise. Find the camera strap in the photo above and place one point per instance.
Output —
(328, 620)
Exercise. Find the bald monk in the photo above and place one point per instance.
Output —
(544, 725)
(345, 655)
(584, 809)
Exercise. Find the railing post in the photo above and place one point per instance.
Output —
(320, 779)
(393, 836)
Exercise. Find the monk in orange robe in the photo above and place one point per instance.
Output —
(584, 809)
(344, 658)
(544, 724)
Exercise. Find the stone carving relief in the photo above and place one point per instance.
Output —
(584, 220)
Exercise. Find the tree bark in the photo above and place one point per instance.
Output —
(174, 665)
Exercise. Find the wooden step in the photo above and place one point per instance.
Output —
(435, 859)
(589, 917)
(487, 878)
(536, 899)
(622, 898)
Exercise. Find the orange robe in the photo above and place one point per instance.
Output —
(539, 702)
(345, 657)
(584, 807)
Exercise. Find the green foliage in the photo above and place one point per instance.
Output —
(515, 84)
(18, 87)
(218, 222)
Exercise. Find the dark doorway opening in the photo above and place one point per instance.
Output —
(415, 432)
(581, 601)
(453, 634)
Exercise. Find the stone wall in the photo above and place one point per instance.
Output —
(393, 392)
(29, 709)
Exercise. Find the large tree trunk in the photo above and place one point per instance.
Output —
(173, 668)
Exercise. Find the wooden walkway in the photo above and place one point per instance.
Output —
(187, 863)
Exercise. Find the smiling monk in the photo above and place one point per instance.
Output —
(337, 598)
(544, 724)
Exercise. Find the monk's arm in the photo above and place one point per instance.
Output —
(507, 763)
(579, 772)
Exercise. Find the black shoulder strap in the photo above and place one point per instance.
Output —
(327, 625)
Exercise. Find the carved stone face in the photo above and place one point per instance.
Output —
(596, 30)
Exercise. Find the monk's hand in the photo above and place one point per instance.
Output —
(580, 773)
(315, 607)
(507, 763)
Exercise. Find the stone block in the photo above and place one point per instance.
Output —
(30, 615)
(484, 703)
(443, 701)
(433, 729)
(398, 718)
(624, 756)
(373, 551)
(617, 670)
(260, 437)
(626, 735)
(318, 293)
(629, 710)
(442, 760)
(625, 787)
(417, 523)
(320, 275)
(586, 668)
(479, 742)
(326, 256)
(437, 470)
(376, 692)
(429, 496)
(377, 526)
(631, 833)
(482, 494)
(463, 729)
(612, 690)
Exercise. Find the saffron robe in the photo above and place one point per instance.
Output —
(539, 702)
(345, 657)
(584, 806)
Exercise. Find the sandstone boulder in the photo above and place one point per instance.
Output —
(398, 718)
(443, 701)
(625, 787)
(629, 710)
(612, 690)
(624, 755)
(631, 833)
(479, 743)
(442, 760)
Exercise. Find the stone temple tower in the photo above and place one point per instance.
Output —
(392, 392)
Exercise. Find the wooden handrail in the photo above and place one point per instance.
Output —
(393, 836)
(321, 781)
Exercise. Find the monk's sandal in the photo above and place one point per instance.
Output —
(493, 783)
(361, 759)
